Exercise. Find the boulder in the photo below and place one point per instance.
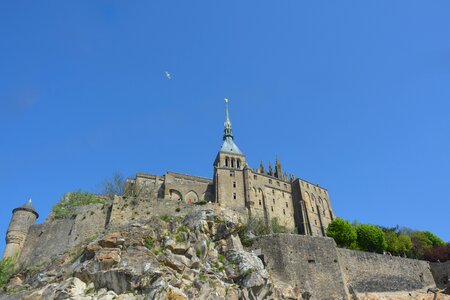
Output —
(107, 258)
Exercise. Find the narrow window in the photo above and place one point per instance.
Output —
(271, 208)
(282, 194)
(232, 162)
(287, 205)
(234, 184)
(234, 196)
(273, 200)
(227, 162)
(231, 173)
(238, 163)
(284, 212)
(259, 202)
(273, 192)
(285, 186)
(255, 177)
(312, 207)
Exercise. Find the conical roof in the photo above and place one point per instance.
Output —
(27, 206)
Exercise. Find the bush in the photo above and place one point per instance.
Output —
(435, 241)
(65, 207)
(343, 233)
(370, 238)
(6, 270)
(392, 242)
(439, 253)
(148, 242)
(405, 244)
(277, 228)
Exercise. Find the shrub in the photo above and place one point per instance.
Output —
(148, 242)
(370, 238)
(69, 201)
(277, 228)
(114, 185)
(343, 233)
(6, 270)
(164, 218)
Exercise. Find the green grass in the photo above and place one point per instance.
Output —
(221, 258)
(164, 218)
(148, 242)
(64, 209)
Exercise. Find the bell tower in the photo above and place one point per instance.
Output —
(229, 169)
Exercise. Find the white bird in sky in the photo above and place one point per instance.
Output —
(168, 76)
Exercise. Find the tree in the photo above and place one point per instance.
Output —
(439, 253)
(343, 233)
(435, 241)
(370, 238)
(392, 242)
(420, 244)
(405, 244)
(114, 185)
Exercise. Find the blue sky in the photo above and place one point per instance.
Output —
(353, 95)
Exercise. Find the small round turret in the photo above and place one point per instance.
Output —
(22, 219)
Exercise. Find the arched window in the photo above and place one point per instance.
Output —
(238, 163)
(227, 162)
(232, 162)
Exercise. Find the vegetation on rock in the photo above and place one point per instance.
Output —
(6, 270)
(69, 201)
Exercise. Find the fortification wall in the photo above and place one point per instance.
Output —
(370, 272)
(441, 274)
(304, 262)
(55, 237)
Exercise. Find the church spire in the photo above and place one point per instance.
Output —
(228, 132)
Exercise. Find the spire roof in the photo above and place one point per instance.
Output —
(28, 206)
(228, 143)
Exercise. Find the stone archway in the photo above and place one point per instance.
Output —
(175, 195)
(191, 197)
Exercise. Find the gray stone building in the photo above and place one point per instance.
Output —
(267, 194)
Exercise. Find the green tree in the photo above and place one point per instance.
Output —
(370, 238)
(405, 244)
(343, 233)
(420, 244)
(435, 241)
(392, 242)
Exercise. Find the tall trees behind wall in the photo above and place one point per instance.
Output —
(401, 241)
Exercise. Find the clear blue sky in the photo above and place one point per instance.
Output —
(353, 95)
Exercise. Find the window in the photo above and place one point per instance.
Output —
(232, 162)
(285, 186)
(259, 202)
(271, 208)
(231, 173)
(312, 207)
(255, 177)
(234, 196)
(270, 181)
(234, 184)
(282, 194)
(273, 192)
(238, 163)
(227, 162)
(287, 204)
(273, 200)
(284, 212)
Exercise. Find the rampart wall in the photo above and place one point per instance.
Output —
(324, 271)
(370, 272)
(441, 274)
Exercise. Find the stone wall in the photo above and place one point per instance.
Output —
(441, 274)
(371, 272)
(303, 262)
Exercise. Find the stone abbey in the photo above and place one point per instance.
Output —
(266, 194)
(258, 193)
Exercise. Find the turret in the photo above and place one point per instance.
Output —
(22, 219)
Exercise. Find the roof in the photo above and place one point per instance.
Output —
(229, 146)
(28, 206)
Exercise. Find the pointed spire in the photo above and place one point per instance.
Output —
(228, 132)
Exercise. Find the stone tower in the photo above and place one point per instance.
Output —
(229, 170)
(23, 217)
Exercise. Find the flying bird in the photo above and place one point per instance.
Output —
(168, 76)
